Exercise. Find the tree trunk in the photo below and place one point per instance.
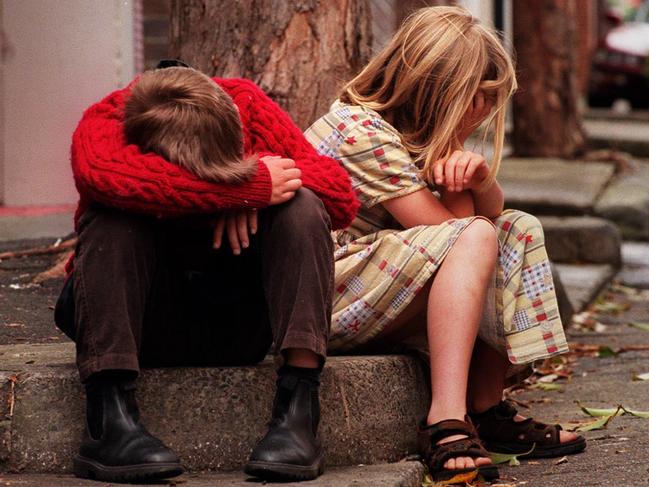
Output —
(406, 7)
(547, 122)
(299, 52)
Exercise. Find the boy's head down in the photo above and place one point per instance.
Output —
(185, 117)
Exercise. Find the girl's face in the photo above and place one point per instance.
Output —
(478, 111)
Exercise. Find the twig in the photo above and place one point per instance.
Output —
(12, 379)
(51, 249)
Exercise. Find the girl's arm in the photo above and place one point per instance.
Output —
(110, 172)
(491, 202)
(270, 129)
(419, 208)
(466, 171)
(460, 204)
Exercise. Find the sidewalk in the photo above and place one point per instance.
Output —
(616, 456)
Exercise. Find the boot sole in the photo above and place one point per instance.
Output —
(89, 469)
(570, 448)
(284, 471)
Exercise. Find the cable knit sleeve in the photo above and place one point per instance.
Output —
(270, 129)
(110, 172)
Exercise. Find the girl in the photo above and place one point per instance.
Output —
(399, 129)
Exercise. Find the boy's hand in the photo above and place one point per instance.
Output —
(462, 170)
(285, 177)
(239, 225)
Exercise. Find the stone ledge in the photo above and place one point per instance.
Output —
(581, 239)
(403, 474)
(211, 416)
(626, 202)
(546, 186)
(584, 282)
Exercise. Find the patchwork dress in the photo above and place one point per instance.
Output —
(380, 266)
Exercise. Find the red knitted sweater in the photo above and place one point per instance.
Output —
(108, 171)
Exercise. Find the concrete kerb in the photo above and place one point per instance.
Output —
(548, 186)
(625, 201)
(401, 474)
(582, 240)
(211, 416)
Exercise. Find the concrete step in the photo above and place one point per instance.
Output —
(402, 474)
(211, 416)
(626, 202)
(31, 222)
(625, 135)
(546, 186)
(583, 282)
(582, 239)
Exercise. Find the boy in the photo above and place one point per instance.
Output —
(148, 286)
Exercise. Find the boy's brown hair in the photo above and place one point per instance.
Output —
(185, 117)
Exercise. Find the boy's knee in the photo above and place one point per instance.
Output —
(113, 228)
(305, 214)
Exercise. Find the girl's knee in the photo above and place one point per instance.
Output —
(525, 225)
(480, 233)
(479, 240)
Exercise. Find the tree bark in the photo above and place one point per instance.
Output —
(405, 7)
(547, 122)
(300, 51)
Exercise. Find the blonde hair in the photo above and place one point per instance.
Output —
(185, 117)
(425, 79)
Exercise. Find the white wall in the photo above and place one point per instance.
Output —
(482, 9)
(60, 56)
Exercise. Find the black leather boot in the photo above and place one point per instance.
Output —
(290, 450)
(116, 447)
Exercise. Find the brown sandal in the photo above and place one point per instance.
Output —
(501, 433)
(436, 455)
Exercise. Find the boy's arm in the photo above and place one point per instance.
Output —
(269, 128)
(110, 172)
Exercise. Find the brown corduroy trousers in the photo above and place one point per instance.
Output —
(153, 293)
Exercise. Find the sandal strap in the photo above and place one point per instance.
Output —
(465, 447)
(435, 455)
(503, 410)
(448, 427)
(498, 424)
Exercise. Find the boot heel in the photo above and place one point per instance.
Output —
(83, 469)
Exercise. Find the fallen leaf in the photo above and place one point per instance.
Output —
(638, 414)
(547, 387)
(547, 379)
(610, 307)
(597, 413)
(639, 325)
(598, 424)
(605, 352)
(512, 459)
(561, 460)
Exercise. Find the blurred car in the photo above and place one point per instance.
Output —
(621, 62)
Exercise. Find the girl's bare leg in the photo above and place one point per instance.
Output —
(487, 382)
(455, 304)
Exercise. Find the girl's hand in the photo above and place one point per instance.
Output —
(461, 171)
(285, 177)
(238, 224)
(477, 113)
